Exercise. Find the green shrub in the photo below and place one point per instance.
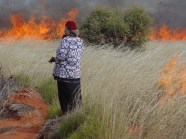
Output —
(93, 27)
(139, 23)
(116, 26)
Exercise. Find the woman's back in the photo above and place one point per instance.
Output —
(69, 55)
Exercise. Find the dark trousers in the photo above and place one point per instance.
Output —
(69, 93)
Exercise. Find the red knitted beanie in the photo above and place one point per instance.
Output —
(71, 25)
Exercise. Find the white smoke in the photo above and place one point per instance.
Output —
(170, 12)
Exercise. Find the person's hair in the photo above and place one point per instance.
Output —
(74, 33)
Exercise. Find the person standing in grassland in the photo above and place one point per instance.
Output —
(67, 68)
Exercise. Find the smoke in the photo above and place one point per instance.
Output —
(170, 12)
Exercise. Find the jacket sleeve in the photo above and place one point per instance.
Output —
(62, 51)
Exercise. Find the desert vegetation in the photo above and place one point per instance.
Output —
(117, 26)
(124, 93)
(21, 109)
(127, 94)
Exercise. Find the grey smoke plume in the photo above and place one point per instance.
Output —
(170, 12)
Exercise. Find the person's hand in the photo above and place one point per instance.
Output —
(53, 59)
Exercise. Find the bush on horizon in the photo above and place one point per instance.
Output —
(116, 26)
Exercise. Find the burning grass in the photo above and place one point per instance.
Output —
(173, 79)
(167, 34)
(124, 88)
(45, 29)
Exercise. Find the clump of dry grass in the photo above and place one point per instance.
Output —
(121, 87)
(7, 84)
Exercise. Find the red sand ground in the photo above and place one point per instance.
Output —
(28, 126)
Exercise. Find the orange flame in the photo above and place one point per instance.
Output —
(46, 28)
(173, 79)
(1, 33)
(167, 34)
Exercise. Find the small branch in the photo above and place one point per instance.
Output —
(3, 106)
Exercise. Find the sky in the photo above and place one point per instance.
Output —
(170, 12)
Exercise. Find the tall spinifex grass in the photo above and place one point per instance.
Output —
(120, 89)
(82, 124)
(23, 80)
(125, 87)
(54, 110)
(48, 90)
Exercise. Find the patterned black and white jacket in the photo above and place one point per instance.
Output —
(68, 58)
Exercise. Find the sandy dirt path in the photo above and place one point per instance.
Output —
(29, 125)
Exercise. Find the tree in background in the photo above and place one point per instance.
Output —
(106, 25)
